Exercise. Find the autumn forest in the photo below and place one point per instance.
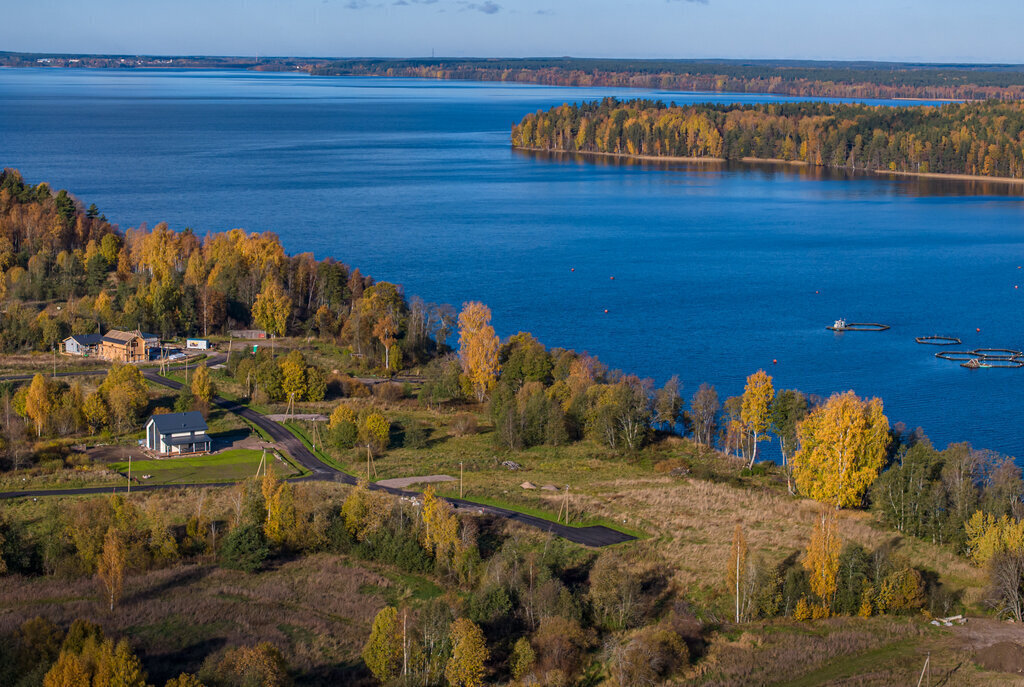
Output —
(979, 139)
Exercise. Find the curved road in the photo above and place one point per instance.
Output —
(594, 535)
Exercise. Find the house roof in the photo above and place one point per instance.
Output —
(85, 339)
(169, 423)
(120, 337)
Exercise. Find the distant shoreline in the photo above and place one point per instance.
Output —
(762, 160)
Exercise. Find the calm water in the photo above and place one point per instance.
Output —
(718, 270)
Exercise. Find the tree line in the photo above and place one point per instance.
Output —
(64, 269)
(978, 138)
(812, 79)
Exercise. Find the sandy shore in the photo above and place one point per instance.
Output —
(777, 161)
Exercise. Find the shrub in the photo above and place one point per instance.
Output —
(353, 388)
(648, 657)
(490, 605)
(901, 591)
(463, 425)
(344, 435)
(416, 434)
(388, 392)
(245, 548)
(245, 666)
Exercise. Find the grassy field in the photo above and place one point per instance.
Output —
(686, 522)
(178, 615)
(232, 465)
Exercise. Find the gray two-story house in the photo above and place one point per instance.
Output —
(177, 433)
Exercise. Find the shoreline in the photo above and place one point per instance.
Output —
(778, 161)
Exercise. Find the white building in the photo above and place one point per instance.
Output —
(197, 344)
(177, 433)
(82, 344)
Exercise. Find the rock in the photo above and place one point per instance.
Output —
(549, 487)
(512, 465)
(528, 485)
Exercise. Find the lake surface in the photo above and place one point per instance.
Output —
(717, 270)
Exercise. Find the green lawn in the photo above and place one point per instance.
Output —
(232, 465)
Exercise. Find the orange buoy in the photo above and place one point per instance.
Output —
(817, 292)
(977, 329)
(606, 309)
(572, 269)
(774, 361)
(612, 278)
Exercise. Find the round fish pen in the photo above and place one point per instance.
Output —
(956, 356)
(976, 364)
(997, 353)
(938, 340)
(858, 327)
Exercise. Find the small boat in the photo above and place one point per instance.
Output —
(975, 364)
(841, 325)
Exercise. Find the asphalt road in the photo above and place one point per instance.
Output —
(594, 535)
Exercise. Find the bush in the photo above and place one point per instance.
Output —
(388, 392)
(246, 666)
(353, 388)
(463, 425)
(344, 434)
(245, 548)
(401, 549)
(416, 434)
(490, 605)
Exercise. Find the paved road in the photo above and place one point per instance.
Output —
(595, 535)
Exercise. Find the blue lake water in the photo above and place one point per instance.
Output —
(718, 270)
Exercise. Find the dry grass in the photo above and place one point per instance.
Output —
(840, 651)
(23, 363)
(317, 610)
(692, 522)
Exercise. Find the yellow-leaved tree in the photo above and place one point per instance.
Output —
(478, 348)
(383, 651)
(203, 388)
(755, 412)
(111, 567)
(272, 308)
(440, 528)
(988, 536)
(281, 520)
(843, 446)
(39, 402)
(469, 653)
(386, 331)
(822, 558)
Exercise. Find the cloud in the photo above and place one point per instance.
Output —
(487, 7)
(693, 2)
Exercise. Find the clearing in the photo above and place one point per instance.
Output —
(232, 465)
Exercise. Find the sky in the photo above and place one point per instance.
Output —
(900, 30)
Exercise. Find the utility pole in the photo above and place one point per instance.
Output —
(460, 479)
(405, 644)
(54, 361)
(129, 473)
(927, 660)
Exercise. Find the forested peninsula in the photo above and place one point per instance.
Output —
(803, 78)
(976, 139)
(780, 77)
